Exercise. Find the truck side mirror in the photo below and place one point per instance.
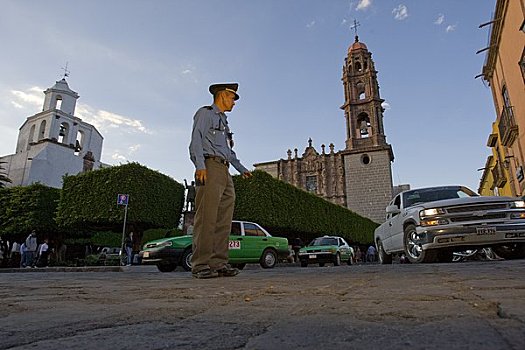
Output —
(392, 209)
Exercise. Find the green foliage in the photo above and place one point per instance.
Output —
(107, 239)
(27, 208)
(158, 233)
(288, 211)
(89, 199)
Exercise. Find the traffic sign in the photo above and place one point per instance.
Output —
(122, 199)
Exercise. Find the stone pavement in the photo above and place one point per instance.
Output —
(473, 305)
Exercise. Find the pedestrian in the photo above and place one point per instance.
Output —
(23, 258)
(211, 152)
(43, 253)
(31, 246)
(371, 254)
(128, 245)
(190, 195)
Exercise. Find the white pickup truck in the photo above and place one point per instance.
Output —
(430, 224)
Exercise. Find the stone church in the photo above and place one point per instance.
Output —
(360, 176)
(54, 142)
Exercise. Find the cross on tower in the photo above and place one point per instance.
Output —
(66, 71)
(354, 27)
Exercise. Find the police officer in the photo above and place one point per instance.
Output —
(211, 153)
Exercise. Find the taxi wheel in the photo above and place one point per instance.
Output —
(166, 267)
(337, 259)
(268, 259)
(186, 259)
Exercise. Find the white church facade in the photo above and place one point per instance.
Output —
(54, 142)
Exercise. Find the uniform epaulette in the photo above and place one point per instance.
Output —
(207, 107)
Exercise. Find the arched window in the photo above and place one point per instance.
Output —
(360, 89)
(58, 102)
(63, 133)
(358, 67)
(364, 126)
(42, 130)
(79, 143)
(31, 136)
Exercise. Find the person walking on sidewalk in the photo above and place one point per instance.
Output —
(211, 152)
(31, 246)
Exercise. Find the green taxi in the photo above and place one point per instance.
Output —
(326, 249)
(248, 243)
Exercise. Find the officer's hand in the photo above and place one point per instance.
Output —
(200, 177)
(247, 175)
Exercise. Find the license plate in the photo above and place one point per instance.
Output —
(145, 255)
(312, 256)
(485, 230)
(234, 245)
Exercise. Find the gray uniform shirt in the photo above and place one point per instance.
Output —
(210, 137)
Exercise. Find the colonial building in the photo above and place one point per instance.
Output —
(360, 176)
(504, 70)
(54, 142)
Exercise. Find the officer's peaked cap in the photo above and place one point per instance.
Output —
(231, 87)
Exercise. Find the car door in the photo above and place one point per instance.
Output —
(344, 248)
(396, 226)
(255, 241)
(393, 227)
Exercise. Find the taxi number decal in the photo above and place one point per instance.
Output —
(234, 245)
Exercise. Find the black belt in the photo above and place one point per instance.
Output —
(218, 159)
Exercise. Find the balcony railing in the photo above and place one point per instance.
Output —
(508, 129)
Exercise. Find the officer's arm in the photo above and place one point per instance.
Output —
(237, 165)
(201, 125)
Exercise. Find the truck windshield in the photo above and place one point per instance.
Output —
(433, 194)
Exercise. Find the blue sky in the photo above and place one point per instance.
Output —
(142, 69)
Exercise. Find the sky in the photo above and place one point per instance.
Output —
(142, 68)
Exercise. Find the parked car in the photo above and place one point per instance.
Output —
(326, 249)
(109, 256)
(430, 224)
(249, 243)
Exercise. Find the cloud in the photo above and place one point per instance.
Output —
(311, 24)
(386, 106)
(186, 71)
(363, 5)
(400, 12)
(134, 148)
(32, 100)
(33, 97)
(119, 157)
(104, 120)
(450, 28)
(440, 19)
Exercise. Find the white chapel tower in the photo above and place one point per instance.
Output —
(54, 142)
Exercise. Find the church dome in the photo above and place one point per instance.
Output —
(357, 45)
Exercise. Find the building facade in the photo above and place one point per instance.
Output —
(360, 176)
(504, 70)
(54, 142)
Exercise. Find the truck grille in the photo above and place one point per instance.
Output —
(475, 218)
(480, 207)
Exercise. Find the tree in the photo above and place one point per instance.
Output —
(288, 211)
(89, 200)
(26, 208)
(3, 176)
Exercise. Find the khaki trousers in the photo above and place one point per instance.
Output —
(214, 204)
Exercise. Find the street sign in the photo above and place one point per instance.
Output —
(122, 199)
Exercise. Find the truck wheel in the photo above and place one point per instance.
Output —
(510, 251)
(268, 259)
(384, 258)
(166, 266)
(413, 247)
(186, 259)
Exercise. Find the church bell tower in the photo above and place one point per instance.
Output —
(367, 156)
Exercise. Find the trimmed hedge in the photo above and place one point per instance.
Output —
(27, 208)
(288, 211)
(89, 200)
